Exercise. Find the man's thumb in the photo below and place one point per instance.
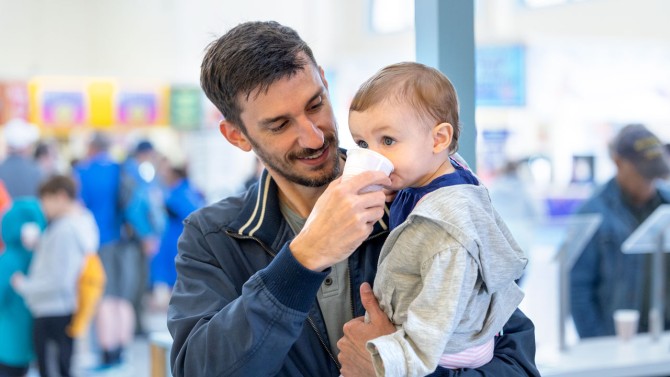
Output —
(369, 302)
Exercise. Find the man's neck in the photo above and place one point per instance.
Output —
(300, 199)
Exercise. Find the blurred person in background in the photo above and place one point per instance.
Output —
(46, 157)
(99, 178)
(141, 200)
(50, 287)
(181, 198)
(604, 279)
(21, 227)
(19, 172)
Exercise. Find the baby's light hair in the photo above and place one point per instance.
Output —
(423, 88)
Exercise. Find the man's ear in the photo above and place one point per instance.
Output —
(443, 133)
(234, 135)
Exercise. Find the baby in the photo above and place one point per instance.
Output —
(447, 271)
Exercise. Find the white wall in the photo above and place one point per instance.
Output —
(165, 39)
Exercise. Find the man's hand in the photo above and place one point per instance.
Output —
(150, 246)
(340, 221)
(354, 357)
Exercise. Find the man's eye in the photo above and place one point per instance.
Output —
(317, 105)
(362, 144)
(388, 141)
(279, 127)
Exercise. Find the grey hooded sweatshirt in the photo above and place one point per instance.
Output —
(446, 280)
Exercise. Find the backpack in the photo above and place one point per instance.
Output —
(90, 288)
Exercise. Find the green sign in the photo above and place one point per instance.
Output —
(186, 111)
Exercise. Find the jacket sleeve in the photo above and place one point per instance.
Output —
(514, 353)
(222, 330)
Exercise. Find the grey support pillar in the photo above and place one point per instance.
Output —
(445, 39)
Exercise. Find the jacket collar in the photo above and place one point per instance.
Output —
(261, 217)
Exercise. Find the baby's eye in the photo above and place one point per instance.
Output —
(362, 144)
(388, 141)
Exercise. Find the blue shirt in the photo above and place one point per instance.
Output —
(99, 190)
(406, 199)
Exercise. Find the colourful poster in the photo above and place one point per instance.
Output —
(13, 101)
(137, 108)
(63, 109)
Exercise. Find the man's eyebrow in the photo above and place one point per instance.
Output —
(268, 121)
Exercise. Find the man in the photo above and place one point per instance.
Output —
(266, 280)
(99, 181)
(603, 278)
(141, 201)
(19, 173)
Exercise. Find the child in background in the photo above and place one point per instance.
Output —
(50, 288)
(21, 226)
(447, 270)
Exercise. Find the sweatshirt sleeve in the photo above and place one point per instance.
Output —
(414, 350)
(223, 329)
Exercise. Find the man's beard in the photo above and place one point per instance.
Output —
(325, 176)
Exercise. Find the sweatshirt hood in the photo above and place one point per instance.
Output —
(471, 219)
(22, 211)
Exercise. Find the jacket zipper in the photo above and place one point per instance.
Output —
(323, 344)
(309, 318)
(351, 290)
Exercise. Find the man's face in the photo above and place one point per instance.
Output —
(292, 129)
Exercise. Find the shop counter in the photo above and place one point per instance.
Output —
(608, 356)
(159, 344)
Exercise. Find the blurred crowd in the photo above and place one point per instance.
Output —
(129, 213)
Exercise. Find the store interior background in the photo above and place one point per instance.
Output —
(588, 68)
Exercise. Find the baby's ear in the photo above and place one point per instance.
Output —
(442, 136)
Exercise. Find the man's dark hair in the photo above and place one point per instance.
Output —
(58, 183)
(250, 57)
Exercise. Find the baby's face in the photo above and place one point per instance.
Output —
(397, 132)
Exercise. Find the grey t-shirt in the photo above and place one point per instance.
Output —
(334, 297)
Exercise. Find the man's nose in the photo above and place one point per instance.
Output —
(309, 135)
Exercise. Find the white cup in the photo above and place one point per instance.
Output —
(30, 235)
(360, 160)
(625, 323)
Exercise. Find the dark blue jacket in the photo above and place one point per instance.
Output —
(243, 306)
(603, 278)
